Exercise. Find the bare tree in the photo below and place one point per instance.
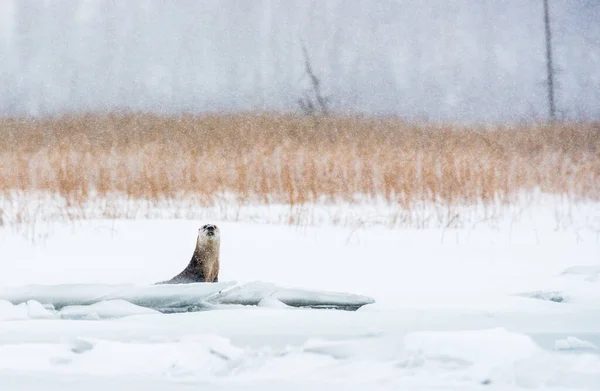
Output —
(549, 63)
(308, 106)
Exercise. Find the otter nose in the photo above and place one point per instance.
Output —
(210, 229)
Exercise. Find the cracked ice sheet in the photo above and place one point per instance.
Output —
(466, 284)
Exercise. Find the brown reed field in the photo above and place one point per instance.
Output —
(275, 158)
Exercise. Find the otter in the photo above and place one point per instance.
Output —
(204, 265)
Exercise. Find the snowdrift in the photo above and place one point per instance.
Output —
(182, 297)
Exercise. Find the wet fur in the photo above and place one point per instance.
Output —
(204, 265)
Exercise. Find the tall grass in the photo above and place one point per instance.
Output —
(269, 158)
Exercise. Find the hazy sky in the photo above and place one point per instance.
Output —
(480, 60)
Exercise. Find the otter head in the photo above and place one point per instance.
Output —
(208, 233)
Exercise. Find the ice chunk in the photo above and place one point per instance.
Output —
(252, 293)
(574, 343)
(180, 297)
(36, 310)
(152, 296)
(29, 310)
(8, 311)
(271, 302)
(104, 309)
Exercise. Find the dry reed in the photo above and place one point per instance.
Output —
(271, 158)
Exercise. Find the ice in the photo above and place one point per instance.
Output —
(466, 313)
(30, 309)
(35, 310)
(154, 296)
(174, 297)
(257, 291)
(574, 343)
(104, 309)
(271, 302)
(8, 311)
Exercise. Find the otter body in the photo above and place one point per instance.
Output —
(204, 265)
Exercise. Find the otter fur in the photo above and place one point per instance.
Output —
(204, 265)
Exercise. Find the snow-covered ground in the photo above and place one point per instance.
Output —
(509, 305)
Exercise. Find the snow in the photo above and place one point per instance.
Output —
(470, 310)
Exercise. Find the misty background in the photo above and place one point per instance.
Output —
(448, 60)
